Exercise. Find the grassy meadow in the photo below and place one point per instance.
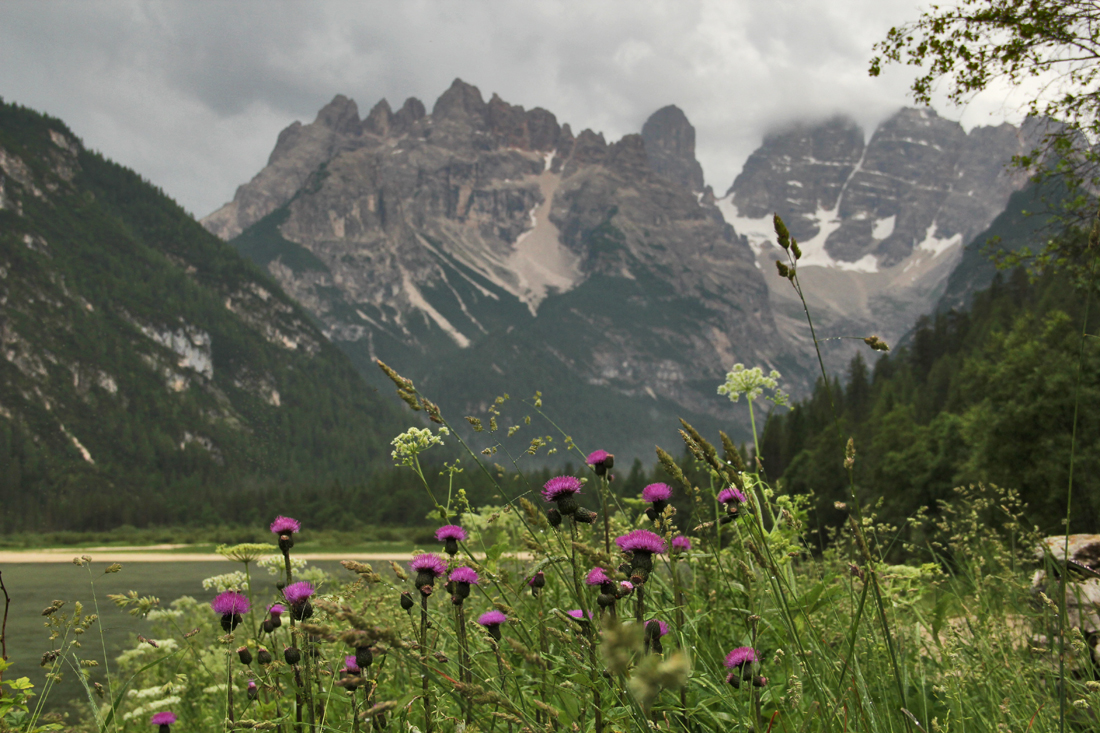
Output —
(709, 599)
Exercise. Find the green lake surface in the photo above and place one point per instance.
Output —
(34, 586)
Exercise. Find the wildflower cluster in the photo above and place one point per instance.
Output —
(414, 441)
(752, 383)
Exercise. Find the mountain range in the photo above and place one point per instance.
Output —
(483, 248)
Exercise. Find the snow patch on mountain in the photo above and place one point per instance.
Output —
(761, 235)
(417, 300)
(883, 228)
(937, 245)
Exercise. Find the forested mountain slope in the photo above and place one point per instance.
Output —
(150, 374)
(981, 395)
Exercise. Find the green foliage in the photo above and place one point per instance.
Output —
(981, 396)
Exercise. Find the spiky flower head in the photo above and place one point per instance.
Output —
(641, 540)
(491, 618)
(596, 457)
(661, 625)
(277, 609)
(165, 718)
(463, 575)
(450, 532)
(560, 487)
(600, 461)
(741, 656)
(230, 603)
(597, 576)
(285, 525)
(657, 492)
(297, 593)
(752, 383)
(681, 542)
(427, 562)
(350, 665)
(626, 585)
(537, 580)
(732, 495)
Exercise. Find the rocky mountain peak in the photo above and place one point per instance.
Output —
(462, 102)
(798, 171)
(341, 115)
(629, 155)
(670, 145)
(411, 112)
(380, 119)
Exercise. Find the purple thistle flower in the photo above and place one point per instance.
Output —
(731, 495)
(277, 609)
(285, 525)
(641, 540)
(596, 457)
(350, 665)
(165, 718)
(427, 562)
(537, 580)
(626, 585)
(681, 543)
(661, 624)
(463, 575)
(297, 593)
(450, 532)
(601, 462)
(657, 492)
(560, 487)
(597, 576)
(491, 618)
(230, 603)
(741, 656)
(578, 614)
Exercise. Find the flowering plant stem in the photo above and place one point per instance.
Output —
(426, 685)
(229, 689)
(465, 673)
(857, 510)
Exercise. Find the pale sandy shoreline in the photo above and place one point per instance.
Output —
(158, 553)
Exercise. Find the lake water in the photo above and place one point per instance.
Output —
(34, 586)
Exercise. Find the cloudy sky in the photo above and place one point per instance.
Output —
(193, 94)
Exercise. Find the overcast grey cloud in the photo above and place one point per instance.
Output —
(193, 94)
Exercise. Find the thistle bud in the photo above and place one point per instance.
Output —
(286, 541)
(364, 657)
(263, 656)
(292, 655)
(268, 626)
(301, 611)
(407, 601)
(605, 600)
(554, 517)
(244, 655)
(252, 691)
(585, 516)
